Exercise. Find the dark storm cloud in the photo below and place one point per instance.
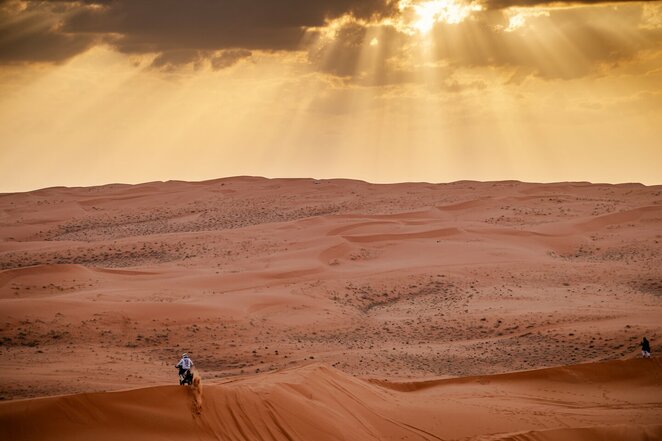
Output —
(229, 58)
(33, 34)
(502, 4)
(175, 29)
(170, 60)
(221, 33)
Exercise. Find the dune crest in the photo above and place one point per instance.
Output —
(612, 400)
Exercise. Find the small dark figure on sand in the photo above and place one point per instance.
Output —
(645, 348)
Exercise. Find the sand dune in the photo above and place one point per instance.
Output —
(410, 283)
(614, 400)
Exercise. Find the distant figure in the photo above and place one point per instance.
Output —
(645, 348)
(185, 365)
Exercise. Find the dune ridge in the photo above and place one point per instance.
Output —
(610, 400)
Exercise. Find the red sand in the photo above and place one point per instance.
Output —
(618, 400)
(102, 289)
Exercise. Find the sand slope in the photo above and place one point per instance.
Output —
(613, 400)
(404, 281)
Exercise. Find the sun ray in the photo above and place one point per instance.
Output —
(421, 16)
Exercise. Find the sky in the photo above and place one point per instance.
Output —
(101, 91)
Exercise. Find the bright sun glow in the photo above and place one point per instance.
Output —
(427, 13)
(517, 17)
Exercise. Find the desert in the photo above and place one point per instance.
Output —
(320, 309)
(330, 220)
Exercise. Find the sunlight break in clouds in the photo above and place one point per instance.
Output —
(421, 16)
